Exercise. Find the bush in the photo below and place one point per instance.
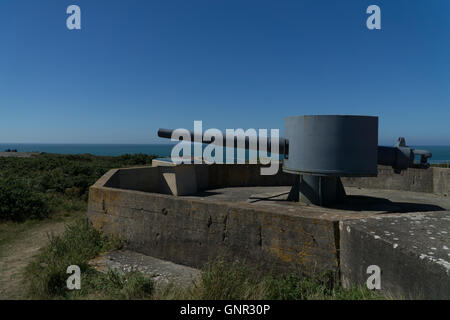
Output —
(81, 242)
(34, 186)
(20, 201)
(297, 287)
(222, 280)
(112, 285)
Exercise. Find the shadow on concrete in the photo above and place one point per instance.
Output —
(357, 203)
(361, 203)
(203, 194)
(279, 197)
(367, 203)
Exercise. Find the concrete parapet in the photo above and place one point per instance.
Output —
(411, 250)
(441, 181)
(186, 179)
(191, 231)
(418, 180)
(191, 214)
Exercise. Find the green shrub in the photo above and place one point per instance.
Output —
(20, 201)
(46, 276)
(113, 285)
(222, 280)
(296, 287)
(34, 186)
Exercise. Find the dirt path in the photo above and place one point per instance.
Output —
(16, 255)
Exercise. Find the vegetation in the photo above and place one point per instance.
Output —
(222, 280)
(19, 200)
(46, 276)
(35, 187)
(53, 186)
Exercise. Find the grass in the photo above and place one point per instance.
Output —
(11, 231)
(49, 188)
(42, 185)
(46, 276)
(220, 280)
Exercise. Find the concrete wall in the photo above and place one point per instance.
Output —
(187, 179)
(240, 175)
(147, 179)
(441, 180)
(175, 180)
(191, 232)
(431, 180)
(137, 205)
(408, 270)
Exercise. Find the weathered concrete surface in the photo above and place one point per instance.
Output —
(412, 251)
(441, 181)
(418, 180)
(179, 180)
(176, 180)
(237, 215)
(249, 223)
(187, 179)
(162, 272)
(392, 201)
(147, 179)
(193, 231)
(245, 175)
(359, 203)
(431, 180)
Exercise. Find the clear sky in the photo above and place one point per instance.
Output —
(139, 65)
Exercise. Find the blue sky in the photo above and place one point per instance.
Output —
(139, 65)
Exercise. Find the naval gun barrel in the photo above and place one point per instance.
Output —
(257, 142)
(400, 157)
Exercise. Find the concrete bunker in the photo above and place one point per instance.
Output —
(190, 214)
(331, 210)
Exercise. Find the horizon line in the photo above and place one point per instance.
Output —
(148, 144)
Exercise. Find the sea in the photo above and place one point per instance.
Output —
(440, 153)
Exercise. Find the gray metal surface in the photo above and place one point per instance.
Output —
(318, 190)
(336, 145)
(401, 157)
(282, 143)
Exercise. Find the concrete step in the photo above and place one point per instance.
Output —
(161, 271)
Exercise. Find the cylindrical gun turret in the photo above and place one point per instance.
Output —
(399, 157)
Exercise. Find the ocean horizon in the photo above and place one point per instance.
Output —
(441, 153)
